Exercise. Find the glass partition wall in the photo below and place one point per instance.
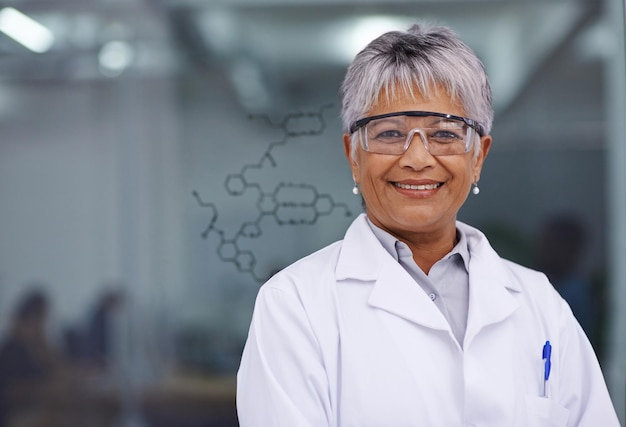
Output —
(160, 159)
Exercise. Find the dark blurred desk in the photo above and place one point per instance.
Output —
(183, 401)
(63, 404)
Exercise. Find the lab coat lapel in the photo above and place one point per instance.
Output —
(364, 259)
(493, 289)
(397, 293)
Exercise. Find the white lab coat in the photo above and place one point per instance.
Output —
(346, 338)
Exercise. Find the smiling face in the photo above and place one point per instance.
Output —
(416, 194)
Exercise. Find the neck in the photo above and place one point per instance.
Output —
(429, 248)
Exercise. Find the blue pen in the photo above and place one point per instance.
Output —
(546, 354)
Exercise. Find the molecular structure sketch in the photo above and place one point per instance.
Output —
(287, 203)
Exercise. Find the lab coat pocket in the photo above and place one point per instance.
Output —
(543, 412)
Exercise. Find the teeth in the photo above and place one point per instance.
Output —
(418, 187)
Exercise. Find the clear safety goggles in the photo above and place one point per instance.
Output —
(392, 133)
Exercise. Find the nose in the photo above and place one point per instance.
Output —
(416, 155)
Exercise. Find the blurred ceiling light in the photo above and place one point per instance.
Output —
(115, 57)
(220, 29)
(25, 30)
(368, 28)
(596, 42)
(248, 81)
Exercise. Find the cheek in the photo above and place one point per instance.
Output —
(461, 170)
(469, 168)
(366, 167)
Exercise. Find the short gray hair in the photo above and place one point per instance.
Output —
(423, 57)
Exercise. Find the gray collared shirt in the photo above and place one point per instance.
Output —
(447, 283)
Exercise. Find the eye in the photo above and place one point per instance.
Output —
(446, 136)
(387, 130)
(389, 135)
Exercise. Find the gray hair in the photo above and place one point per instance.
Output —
(425, 57)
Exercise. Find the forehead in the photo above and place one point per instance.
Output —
(411, 99)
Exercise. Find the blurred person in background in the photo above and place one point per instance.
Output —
(413, 319)
(91, 344)
(559, 249)
(28, 362)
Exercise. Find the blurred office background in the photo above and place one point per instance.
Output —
(160, 158)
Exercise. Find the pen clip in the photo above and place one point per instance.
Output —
(546, 354)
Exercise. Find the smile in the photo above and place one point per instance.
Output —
(418, 187)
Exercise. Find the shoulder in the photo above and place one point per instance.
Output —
(306, 271)
(534, 284)
(302, 298)
(324, 267)
(304, 288)
(530, 283)
(526, 275)
(308, 288)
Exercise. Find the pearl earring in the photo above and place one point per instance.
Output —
(475, 189)
(355, 189)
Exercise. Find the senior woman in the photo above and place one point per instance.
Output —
(413, 319)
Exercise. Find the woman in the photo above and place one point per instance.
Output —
(413, 319)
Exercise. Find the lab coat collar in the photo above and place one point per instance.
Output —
(493, 287)
(360, 253)
(363, 258)
(487, 263)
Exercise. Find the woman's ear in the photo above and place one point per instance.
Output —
(485, 145)
(347, 147)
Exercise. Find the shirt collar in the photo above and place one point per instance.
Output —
(394, 246)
